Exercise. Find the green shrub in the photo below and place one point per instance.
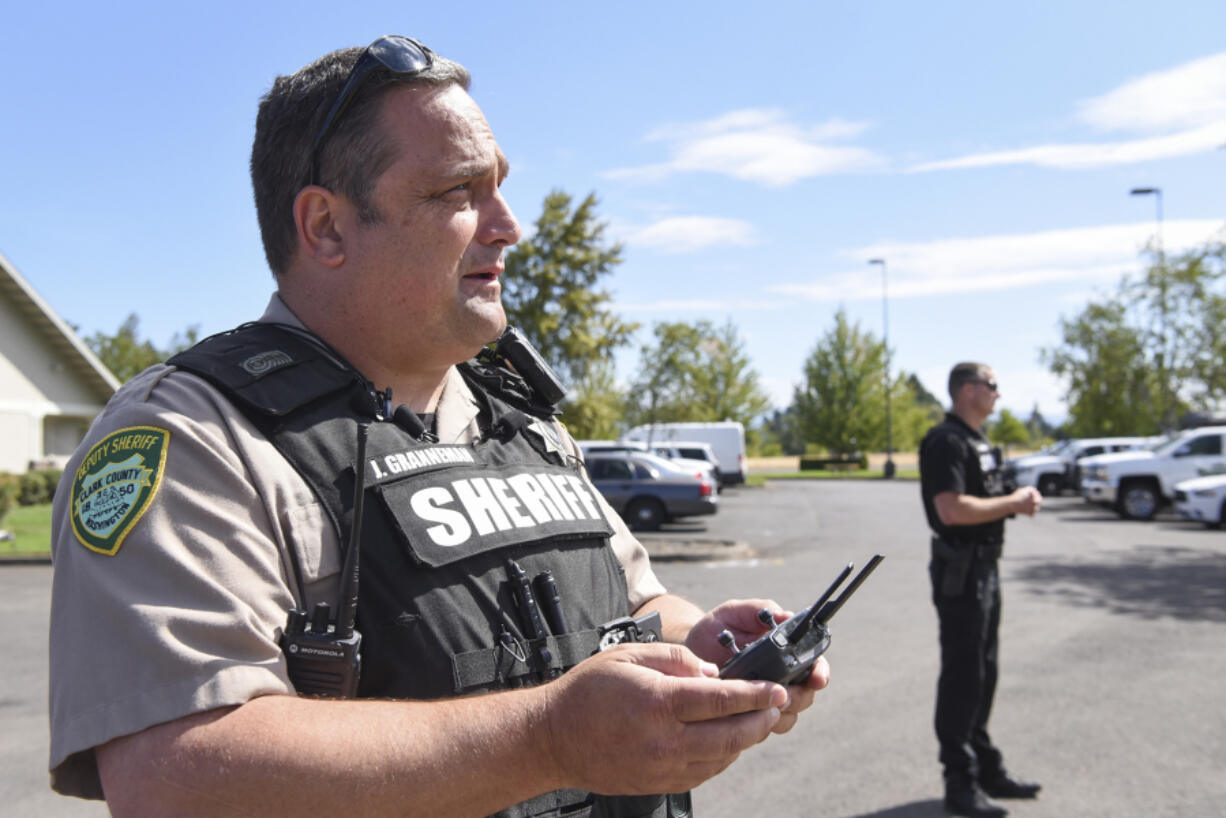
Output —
(833, 462)
(52, 478)
(8, 493)
(31, 489)
(35, 488)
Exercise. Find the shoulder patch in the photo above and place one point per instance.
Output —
(114, 485)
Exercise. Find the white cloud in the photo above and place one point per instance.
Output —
(728, 305)
(962, 265)
(756, 145)
(1187, 96)
(1086, 155)
(1176, 112)
(687, 234)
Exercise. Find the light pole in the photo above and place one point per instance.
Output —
(1168, 401)
(885, 332)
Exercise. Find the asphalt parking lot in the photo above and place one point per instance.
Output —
(1113, 659)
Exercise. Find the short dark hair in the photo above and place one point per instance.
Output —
(964, 373)
(351, 161)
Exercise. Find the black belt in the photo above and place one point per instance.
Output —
(958, 557)
(985, 550)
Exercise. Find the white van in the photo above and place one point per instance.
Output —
(726, 438)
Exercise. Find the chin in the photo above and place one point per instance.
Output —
(484, 328)
(500, 326)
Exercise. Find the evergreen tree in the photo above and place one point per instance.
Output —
(551, 290)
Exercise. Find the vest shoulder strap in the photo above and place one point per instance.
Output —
(273, 369)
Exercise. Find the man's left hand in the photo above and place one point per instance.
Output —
(740, 618)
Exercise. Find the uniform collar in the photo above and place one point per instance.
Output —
(951, 417)
(278, 313)
(457, 409)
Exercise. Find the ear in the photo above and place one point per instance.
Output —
(316, 216)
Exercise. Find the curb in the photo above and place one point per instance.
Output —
(665, 549)
(25, 559)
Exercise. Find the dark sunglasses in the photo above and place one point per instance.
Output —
(400, 56)
(989, 384)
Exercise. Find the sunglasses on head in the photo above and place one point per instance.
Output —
(399, 56)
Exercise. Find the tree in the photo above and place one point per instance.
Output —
(915, 411)
(781, 433)
(659, 392)
(1171, 302)
(126, 355)
(725, 385)
(1199, 351)
(1141, 358)
(841, 404)
(1008, 430)
(695, 372)
(551, 293)
(595, 408)
(1038, 427)
(1111, 388)
(922, 396)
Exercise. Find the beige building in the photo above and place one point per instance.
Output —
(51, 384)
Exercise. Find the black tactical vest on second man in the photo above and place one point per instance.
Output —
(953, 445)
(436, 610)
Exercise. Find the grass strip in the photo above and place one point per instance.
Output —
(32, 527)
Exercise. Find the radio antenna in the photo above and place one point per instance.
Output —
(831, 608)
(347, 605)
(803, 625)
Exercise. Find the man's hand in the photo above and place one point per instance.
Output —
(740, 617)
(1026, 500)
(650, 718)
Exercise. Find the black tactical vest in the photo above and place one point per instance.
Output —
(436, 610)
(981, 464)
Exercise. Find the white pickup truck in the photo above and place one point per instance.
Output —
(1137, 484)
(1055, 468)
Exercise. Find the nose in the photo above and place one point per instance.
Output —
(499, 226)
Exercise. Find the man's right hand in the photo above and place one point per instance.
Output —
(1026, 500)
(653, 718)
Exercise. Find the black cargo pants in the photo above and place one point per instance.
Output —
(969, 623)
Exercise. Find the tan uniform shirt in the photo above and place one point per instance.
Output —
(171, 537)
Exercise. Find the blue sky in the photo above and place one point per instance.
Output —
(751, 159)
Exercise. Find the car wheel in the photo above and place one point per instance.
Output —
(645, 514)
(1221, 517)
(1139, 501)
(1050, 485)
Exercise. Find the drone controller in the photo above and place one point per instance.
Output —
(788, 651)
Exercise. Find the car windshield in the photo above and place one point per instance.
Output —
(657, 462)
(1167, 444)
(1056, 448)
(609, 468)
(644, 472)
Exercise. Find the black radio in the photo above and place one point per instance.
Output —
(325, 658)
(789, 650)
